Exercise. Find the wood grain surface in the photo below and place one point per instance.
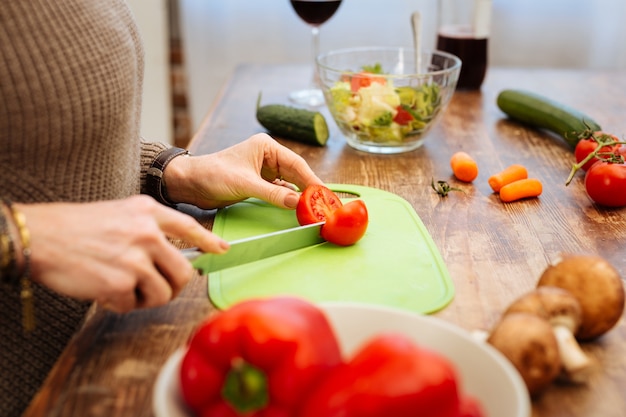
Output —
(494, 251)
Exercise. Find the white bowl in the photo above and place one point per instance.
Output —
(483, 371)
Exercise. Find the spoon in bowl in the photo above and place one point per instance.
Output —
(416, 24)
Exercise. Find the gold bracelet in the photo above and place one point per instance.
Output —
(26, 293)
(8, 260)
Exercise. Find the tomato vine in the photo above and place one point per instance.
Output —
(603, 140)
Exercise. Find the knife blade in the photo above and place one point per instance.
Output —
(254, 248)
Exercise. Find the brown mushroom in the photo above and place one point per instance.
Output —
(562, 310)
(529, 343)
(596, 285)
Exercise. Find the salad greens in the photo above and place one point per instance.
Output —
(370, 106)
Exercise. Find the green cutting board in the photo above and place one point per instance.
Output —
(395, 264)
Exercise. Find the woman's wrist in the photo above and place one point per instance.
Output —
(156, 177)
(177, 179)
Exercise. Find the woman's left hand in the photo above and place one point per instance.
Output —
(257, 167)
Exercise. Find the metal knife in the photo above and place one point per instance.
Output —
(254, 248)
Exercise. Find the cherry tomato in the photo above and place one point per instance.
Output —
(315, 204)
(365, 79)
(346, 225)
(586, 146)
(605, 183)
(402, 117)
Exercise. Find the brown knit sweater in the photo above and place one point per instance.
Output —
(70, 93)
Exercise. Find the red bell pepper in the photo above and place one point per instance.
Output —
(390, 376)
(258, 358)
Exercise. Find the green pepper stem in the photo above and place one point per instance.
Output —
(245, 387)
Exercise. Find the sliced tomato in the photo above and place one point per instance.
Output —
(365, 79)
(402, 116)
(316, 203)
(346, 225)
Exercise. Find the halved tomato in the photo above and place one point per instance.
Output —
(345, 224)
(315, 204)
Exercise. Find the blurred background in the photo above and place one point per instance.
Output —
(193, 45)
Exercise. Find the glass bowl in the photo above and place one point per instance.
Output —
(379, 101)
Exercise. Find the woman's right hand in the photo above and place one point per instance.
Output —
(114, 252)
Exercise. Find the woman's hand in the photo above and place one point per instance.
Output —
(115, 252)
(258, 167)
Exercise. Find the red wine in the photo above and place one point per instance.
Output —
(315, 12)
(471, 51)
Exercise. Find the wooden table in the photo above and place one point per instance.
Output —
(494, 251)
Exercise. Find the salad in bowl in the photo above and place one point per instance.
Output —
(382, 107)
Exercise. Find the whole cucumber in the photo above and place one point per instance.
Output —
(293, 123)
(545, 113)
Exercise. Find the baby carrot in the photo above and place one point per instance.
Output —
(464, 167)
(528, 187)
(513, 173)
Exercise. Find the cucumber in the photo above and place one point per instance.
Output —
(293, 123)
(544, 113)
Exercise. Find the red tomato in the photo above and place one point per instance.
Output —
(346, 225)
(315, 204)
(365, 79)
(403, 117)
(605, 183)
(586, 146)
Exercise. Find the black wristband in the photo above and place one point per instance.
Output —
(154, 177)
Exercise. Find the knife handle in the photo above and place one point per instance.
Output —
(191, 253)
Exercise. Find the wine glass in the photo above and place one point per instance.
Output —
(314, 13)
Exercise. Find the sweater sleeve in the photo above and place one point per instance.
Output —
(149, 152)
